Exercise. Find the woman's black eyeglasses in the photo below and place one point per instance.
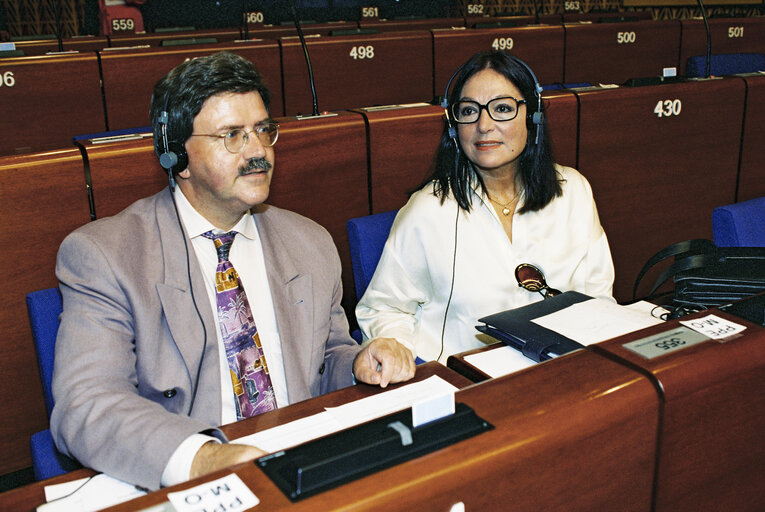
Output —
(532, 279)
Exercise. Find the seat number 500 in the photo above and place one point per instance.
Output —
(8, 79)
(666, 108)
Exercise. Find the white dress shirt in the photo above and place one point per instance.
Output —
(408, 294)
(246, 255)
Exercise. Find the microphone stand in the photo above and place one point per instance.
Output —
(307, 58)
(709, 39)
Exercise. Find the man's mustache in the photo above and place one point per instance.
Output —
(260, 164)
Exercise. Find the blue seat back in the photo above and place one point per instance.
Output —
(366, 238)
(725, 64)
(740, 224)
(44, 308)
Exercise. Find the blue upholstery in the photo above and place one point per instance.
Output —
(44, 308)
(366, 237)
(740, 224)
(725, 64)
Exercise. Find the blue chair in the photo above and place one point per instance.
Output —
(725, 64)
(740, 224)
(44, 307)
(366, 237)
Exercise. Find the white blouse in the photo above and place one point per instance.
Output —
(408, 294)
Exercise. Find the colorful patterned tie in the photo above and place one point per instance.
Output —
(253, 392)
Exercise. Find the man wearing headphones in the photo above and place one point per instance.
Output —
(198, 306)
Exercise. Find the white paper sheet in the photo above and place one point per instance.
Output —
(353, 413)
(597, 320)
(88, 494)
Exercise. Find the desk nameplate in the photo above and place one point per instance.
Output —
(666, 342)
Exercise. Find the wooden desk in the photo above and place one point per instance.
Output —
(751, 178)
(541, 47)
(712, 456)
(47, 99)
(30, 496)
(130, 74)
(574, 434)
(728, 35)
(42, 199)
(656, 179)
(614, 52)
(358, 71)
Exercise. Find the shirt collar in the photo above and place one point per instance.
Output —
(196, 224)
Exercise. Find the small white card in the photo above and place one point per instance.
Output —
(713, 326)
(228, 493)
(432, 409)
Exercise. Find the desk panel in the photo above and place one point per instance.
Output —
(42, 199)
(130, 75)
(614, 52)
(358, 71)
(656, 179)
(156, 38)
(398, 25)
(309, 29)
(30, 496)
(78, 43)
(712, 457)
(583, 440)
(47, 99)
(562, 118)
(751, 179)
(728, 35)
(402, 147)
(541, 47)
(122, 172)
(321, 172)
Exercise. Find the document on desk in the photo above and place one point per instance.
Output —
(88, 494)
(586, 322)
(596, 320)
(334, 419)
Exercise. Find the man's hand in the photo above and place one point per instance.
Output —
(214, 456)
(384, 361)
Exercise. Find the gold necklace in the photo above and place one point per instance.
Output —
(505, 207)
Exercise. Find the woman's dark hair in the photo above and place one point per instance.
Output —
(537, 177)
(184, 90)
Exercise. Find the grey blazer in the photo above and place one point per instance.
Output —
(131, 336)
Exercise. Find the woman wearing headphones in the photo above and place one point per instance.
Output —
(496, 212)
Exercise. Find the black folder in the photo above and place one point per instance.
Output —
(515, 328)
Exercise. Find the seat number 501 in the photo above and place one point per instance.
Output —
(666, 108)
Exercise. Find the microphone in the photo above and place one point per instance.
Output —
(246, 30)
(709, 39)
(307, 58)
(58, 26)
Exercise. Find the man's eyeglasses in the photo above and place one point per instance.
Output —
(499, 109)
(532, 279)
(236, 140)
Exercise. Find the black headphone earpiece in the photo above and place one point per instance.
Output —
(451, 130)
(173, 157)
